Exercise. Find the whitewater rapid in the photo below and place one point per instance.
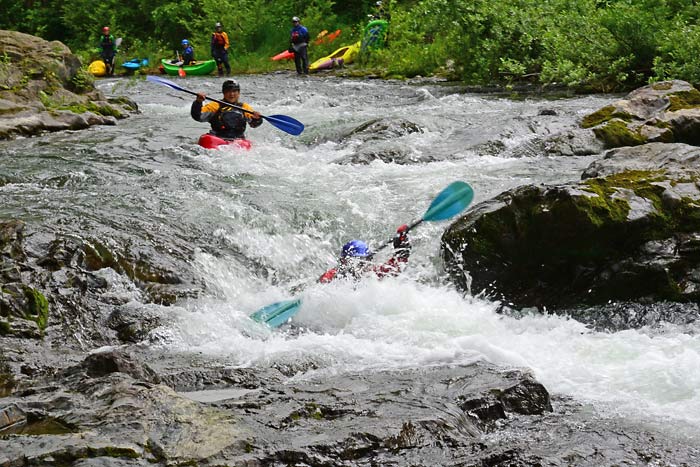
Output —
(276, 217)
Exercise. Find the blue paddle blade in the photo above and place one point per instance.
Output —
(450, 202)
(156, 79)
(278, 313)
(286, 123)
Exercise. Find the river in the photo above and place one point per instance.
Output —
(256, 223)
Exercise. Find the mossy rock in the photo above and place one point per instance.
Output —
(603, 239)
(603, 115)
(662, 86)
(684, 100)
(37, 307)
(7, 380)
(21, 302)
(616, 133)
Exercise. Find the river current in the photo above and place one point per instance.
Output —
(258, 223)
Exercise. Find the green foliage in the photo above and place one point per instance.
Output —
(82, 82)
(603, 45)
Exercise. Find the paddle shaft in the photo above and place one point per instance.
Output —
(228, 104)
(410, 227)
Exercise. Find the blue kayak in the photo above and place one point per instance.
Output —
(135, 64)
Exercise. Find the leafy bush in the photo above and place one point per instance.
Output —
(597, 44)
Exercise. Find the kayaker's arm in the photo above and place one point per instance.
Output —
(203, 113)
(196, 110)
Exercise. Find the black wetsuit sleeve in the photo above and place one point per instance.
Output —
(196, 111)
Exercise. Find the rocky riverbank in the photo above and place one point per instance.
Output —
(628, 232)
(43, 87)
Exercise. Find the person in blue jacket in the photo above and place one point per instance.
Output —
(187, 52)
(299, 37)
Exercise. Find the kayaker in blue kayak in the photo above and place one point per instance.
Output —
(108, 49)
(299, 37)
(226, 122)
(356, 257)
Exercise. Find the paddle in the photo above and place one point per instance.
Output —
(283, 122)
(448, 203)
(117, 43)
(181, 72)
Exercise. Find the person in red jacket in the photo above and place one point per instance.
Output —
(356, 257)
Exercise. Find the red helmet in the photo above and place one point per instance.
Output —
(105, 29)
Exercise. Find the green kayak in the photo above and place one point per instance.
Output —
(200, 68)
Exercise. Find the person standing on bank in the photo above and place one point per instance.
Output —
(219, 49)
(300, 41)
(226, 122)
(108, 49)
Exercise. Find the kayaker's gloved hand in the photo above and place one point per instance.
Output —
(201, 96)
(402, 244)
(255, 120)
(290, 50)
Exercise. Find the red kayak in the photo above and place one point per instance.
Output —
(212, 142)
(286, 55)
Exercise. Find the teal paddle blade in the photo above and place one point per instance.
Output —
(450, 202)
(278, 313)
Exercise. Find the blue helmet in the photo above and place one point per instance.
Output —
(356, 249)
(185, 42)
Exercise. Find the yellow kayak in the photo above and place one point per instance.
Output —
(343, 56)
(97, 68)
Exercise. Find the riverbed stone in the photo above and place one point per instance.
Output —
(667, 112)
(630, 233)
(43, 87)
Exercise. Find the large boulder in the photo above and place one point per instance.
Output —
(43, 87)
(632, 233)
(667, 112)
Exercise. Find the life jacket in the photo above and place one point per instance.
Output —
(228, 122)
(218, 40)
(107, 43)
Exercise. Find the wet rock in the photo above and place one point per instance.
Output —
(388, 155)
(26, 303)
(104, 362)
(632, 234)
(133, 322)
(11, 415)
(572, 143)
(384, 129)
(673, 159)
(667, 112)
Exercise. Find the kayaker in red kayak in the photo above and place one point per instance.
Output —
(356, 259)
(226, 122)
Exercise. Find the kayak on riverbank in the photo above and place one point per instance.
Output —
(341, 57)
(198, 69)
